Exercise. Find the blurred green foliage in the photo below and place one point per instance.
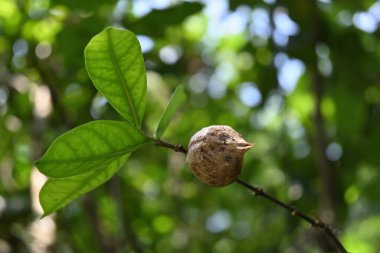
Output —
(254, 65)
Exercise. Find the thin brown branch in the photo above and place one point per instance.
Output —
(314, 222)
(177, 148)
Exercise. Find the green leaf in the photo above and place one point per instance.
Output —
(115, 64)
(177, 99)
(58, 192)
(89, 147)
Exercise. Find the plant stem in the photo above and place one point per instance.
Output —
(314, 222)
(177, 148)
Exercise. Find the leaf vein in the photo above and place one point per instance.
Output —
(121, 78)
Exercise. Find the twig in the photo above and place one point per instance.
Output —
(177, 148)
(316, 223)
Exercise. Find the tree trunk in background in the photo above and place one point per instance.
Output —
(323, 165)
(320, 137)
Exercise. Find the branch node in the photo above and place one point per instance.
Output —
(176, 148)
(258, 192)
(336, 231)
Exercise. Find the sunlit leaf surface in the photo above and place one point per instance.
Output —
(58, 192)
(116, 66)
(90, 147)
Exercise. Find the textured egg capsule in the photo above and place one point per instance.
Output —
(215, 155)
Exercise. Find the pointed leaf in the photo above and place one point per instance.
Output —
(89, 147)
(115, 64)
(58, 192)
(177, 99)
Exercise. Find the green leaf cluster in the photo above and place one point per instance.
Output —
(90, 154)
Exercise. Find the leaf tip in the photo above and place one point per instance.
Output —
(47, 213)
(44, 215)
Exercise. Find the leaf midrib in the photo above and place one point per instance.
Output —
(95, 157)
(76, 189)
(121, 78)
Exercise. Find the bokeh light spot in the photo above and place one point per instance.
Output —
(13, 123)
(163, 224)
(285, 27)
(334, 151)
(249, 94)
(146, 43)
(295, 192)
(375, 10)
(98, 106)
(42, 101)
(344, 18)
(21, 83)
(170, 54)
(43, 50)
(198, 82)
(260, 23)
(351, 194)
(218, 222)
(216, 88)
(365, 21)
(141, 8)
(3, 204)
(20, 47)
(3, 96)
(289, 73)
